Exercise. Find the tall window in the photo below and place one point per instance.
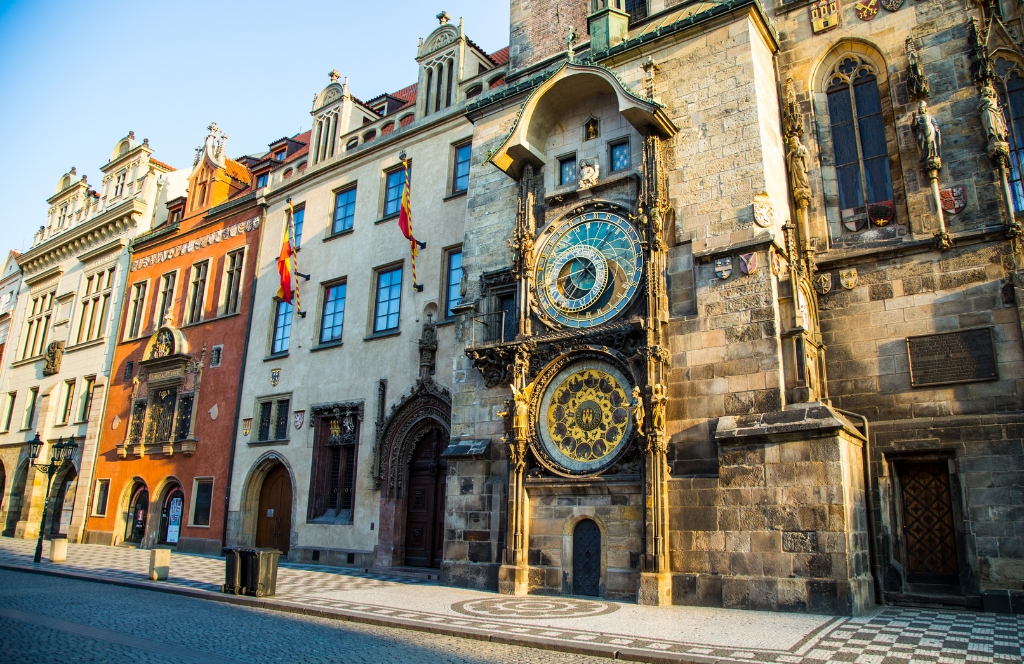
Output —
(38, 326)
(233, 281)
(297, 221)
(567, 170)
(282, 328)
(9, 415)
(344, 210)
(30, 408)
(87, 390)
(136, 309)
(197, 292)
(95, 300)
(273, 417)
(393, 191)
(460, 173)
(332, 477)
(1010, 83)
(202, 501)
(119, 184)
(69, 401)
(637, 10)
(99, 502)
(333, 315)
(389, 300)
(453, 291)
(620, 156)
(858, 140)
(166, 296)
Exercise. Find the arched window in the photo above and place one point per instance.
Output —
(430, 80)
(858, 142)
(1010, 83)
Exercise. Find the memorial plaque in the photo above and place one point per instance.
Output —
(966, 356)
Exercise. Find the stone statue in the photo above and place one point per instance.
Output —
(638, 411)
(658, 399)
(589, 172)
(992, 118)
(797, 162)
(521, 411)
(917, 80)
(928, 135)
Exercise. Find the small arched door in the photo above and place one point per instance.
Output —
(138, 510)
(586, 558)
(64, 503)
(170, 516)
(274, 519)
(424, 521)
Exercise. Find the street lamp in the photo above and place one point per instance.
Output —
(60, 453)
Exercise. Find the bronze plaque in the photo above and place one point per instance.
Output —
(965, 356)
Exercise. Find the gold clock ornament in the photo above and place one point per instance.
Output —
(585, 420)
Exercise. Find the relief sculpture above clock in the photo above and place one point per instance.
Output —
(588, 269)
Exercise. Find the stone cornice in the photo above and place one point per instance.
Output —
(83, 238)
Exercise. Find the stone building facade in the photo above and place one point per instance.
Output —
(63, 331)
(824, 335)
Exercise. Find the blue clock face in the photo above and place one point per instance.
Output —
(588, 269)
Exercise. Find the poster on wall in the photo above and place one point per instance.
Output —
(174, 520)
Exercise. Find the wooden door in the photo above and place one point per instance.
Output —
(274, 519)
(928, 532)
(586, 558)
(424, 522)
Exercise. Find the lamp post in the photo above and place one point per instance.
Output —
(60, 453)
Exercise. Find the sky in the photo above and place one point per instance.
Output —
(76, 77)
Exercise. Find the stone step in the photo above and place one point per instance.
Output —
(421, 573)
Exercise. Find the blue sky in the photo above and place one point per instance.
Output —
(77, 76)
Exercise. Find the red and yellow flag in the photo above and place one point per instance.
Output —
(405, 224)
(288, 291)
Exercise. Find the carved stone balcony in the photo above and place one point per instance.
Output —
(185, 446)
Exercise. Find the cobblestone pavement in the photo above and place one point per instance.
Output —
(48, 619)
(888, 635)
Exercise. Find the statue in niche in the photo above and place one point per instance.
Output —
(638, 411)
(917, 80)
(592, 129)
(798, 161)
(658, 399)
(992, 118)
(589, 172)
(521, 411)
(928, 135)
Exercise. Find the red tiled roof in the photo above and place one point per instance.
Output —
(407, 93)
(499, 57)
(161, 164)
(304, 137)
(237, 172)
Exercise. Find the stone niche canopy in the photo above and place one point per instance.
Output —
(567, 87)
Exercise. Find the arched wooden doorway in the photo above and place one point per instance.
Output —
(586, 558)
(274, 518)
(15, 499)
(171, 509)
(138, 512)
(424, 520)
(64, 503)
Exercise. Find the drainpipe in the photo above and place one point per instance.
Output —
(870, 490)
(241, 377)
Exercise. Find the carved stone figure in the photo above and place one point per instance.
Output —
(992, 118)
(658, 399)
(638, 412)
(428, 347)
(929, 136)
(798, 161)
(521, 411)
(589, 172)
(53, 357)
(917, 80)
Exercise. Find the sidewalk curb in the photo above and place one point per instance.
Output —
(539, 643)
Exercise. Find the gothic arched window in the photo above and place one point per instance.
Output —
(858, 141)
(1010, 83)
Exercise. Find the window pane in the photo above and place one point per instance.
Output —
(204, 498)
(393, 195)
(282, 327)
(462, 155)
(454, 281)
(620, 157)
(265, 411)
(100, 501)
(300, 216)
(281, 421)
(344, 210)
(1013, 107)
(389, 297)
(333, 314)
(844, 145)
(567, 171)
(849, 187)
(877, 173)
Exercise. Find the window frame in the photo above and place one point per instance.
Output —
(385, 188)
(91, 298)
(275, 401)
(618, 143)
(232, 287)
(9, 415)
(274, 328)
(196, 481)
(296, 228)
(85, 398)
(325, 288)
(197, 294)
(375, 300)
(352, 188)
(94, 510)
(136, 310)
(38, 320)
(218, 352)
(165, 297)
(448, 285)
(560, 172)
(264, 178)
(453, 189)
(31, 406)
(68, 405)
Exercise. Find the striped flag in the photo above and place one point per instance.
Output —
(288, 291)
(405, 224)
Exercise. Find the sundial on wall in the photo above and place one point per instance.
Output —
(588, 269)
(584, 419)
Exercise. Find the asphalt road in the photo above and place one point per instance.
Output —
(49, 619)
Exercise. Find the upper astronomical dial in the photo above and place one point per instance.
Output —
(589, 269)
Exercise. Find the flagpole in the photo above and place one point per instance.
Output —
(295, 259)
(405, 223)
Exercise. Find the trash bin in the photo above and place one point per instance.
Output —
(261, 571)
(234, 577)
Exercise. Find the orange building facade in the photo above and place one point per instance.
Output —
(166, 436)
